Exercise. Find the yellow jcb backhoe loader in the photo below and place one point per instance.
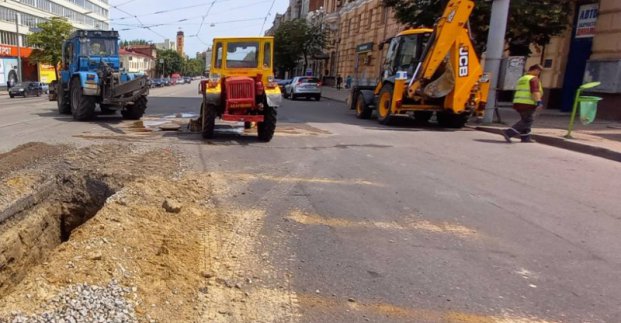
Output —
(427, 71)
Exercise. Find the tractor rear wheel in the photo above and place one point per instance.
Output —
(208, 117)
(135, 111)
(451, 120)
(267, 128)
(362, 108)
(82, 106)
(385, 105)
(62, 100)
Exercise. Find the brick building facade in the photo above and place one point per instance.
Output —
(362, 27)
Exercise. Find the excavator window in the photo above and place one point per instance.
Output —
(408, 53)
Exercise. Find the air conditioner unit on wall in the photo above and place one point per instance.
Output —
(608, 72)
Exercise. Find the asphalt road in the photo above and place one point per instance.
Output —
(364, 222)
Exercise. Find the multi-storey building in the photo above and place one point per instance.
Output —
(589, 50)
(136, 60)
(166, 45)
(18, 18)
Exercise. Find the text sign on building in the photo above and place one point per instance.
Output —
(587, 20)
(364, 48)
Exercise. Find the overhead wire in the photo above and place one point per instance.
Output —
(205, 16)
(267, 15)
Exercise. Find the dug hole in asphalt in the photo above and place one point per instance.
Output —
(120, 233)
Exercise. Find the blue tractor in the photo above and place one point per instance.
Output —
(92, 75)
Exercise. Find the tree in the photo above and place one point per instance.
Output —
(295, 39)
(173, 62)
(127, 43)
(48, 41)
(194, 67)
(529, 23)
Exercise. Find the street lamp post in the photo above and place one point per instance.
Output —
(495, 48)
(19, 46)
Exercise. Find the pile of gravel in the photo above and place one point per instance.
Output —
(84, 303)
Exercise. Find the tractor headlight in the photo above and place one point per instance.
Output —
(214, 80)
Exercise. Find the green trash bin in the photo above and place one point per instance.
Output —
(588, 108)
(587, 105)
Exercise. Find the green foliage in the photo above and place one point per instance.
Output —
(127, 43)
(529, 22)
(48, 41)
(173, 62)
(194, 67)
(294, 40)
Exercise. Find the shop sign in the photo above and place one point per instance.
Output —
(587, 20)
(47, 73)
(7, 50)
(364, 48)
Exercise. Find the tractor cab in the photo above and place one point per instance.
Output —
(405, 52)
(86, 49)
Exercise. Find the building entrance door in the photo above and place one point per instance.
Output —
(579, 52)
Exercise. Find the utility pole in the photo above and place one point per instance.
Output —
(19, 46)
(495, 49)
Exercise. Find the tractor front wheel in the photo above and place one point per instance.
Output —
(267, 128)
(135, 111)
(208, 117)
(362, 108)
(82, 106)
(384, 105)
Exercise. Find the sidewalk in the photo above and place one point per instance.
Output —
(332, 93)
(601, 138)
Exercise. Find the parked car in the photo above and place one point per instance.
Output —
(167, 81)
(25, 89)
(157, 83)
(188, 80)
(179, 80)
(282, 84)
(303, 86)
(45, 88)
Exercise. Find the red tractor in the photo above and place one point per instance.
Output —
(241, 86)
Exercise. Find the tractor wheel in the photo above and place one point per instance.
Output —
(268, 126)
(362, 108)
(82, 106)
(208, 115)
(423, 116)
(384, 105)
(135, 111)
(451, 120)
(62, 100)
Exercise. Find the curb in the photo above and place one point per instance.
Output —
(332, 99)
(565, 144)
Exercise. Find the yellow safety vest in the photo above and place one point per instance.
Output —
(522, 91)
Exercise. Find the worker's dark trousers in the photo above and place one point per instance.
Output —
(522, 127)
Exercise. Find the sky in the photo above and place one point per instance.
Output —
(200, 21)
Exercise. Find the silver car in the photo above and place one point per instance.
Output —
(303, 86)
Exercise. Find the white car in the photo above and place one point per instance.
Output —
(303, 86)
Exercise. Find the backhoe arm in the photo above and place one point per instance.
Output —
(448, 30)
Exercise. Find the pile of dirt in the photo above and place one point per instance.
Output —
(123, 228)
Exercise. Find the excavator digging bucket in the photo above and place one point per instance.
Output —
(443, 85)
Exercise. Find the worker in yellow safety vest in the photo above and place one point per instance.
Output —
(527, 100)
